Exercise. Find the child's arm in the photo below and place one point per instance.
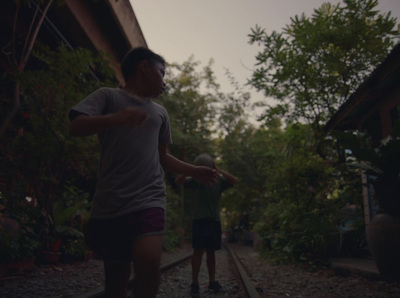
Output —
(84, 125)
(229, 177)
(202, 174)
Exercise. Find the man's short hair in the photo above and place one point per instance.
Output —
(134, 57)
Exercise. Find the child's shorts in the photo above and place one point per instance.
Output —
(113, 238)
(206, 233)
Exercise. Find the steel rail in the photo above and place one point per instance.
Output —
(250, 289)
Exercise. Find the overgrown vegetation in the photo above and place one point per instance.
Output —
(311, 68)
(292, 187)
(39, 160)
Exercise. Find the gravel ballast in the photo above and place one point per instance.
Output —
(71, 280)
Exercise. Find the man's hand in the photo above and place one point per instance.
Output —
(206, 175)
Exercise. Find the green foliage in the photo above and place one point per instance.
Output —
(311, 68)
(317, 62)
(171, 240)
(296, 233)
(292, 196)
(37, 151)
(38, 146)
(299, 222)
(73, 249)
(245, 153)
(190, 98)
(197, 111)
(174, 231)
(70, 213)
(380, 162)
(21, 247)
(21, 243)
(253, 155)
(191, 114)
(72, 208)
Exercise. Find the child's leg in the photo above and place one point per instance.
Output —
(196, 264)
(146, 264)
(211, 264)
(116, 278)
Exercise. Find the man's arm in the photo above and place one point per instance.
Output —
(180, 179)
(84, 125)
(229, 177)
(202, 174)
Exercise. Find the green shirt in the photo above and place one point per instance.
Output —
(207, 199)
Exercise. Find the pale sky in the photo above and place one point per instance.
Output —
(218, 29)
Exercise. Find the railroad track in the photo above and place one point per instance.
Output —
(176, 276)
(250, 289)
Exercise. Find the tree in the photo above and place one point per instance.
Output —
(199, 113)
(316, 63)
(20, 56)
(303, 195)
(190, 98)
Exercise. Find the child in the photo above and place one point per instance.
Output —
(128, 214)
(206, 228)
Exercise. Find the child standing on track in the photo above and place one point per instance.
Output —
(128, 214)
(206, 226)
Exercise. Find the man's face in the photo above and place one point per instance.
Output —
(155, 78)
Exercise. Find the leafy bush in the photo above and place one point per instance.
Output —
(299, 223)
(17, 247)
(71, 209)
(73, 249)
(19, 229)
(291, 233)
(37, 154)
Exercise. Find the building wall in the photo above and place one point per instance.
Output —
(388, 112)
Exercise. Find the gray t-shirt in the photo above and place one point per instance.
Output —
(130, 175)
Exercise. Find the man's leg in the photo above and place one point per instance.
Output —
(146, 257)
(211, 265)
(116, 278)
(196, 264)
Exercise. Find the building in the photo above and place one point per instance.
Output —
(373, 106)
(373, 109)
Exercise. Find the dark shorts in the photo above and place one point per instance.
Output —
(113, 238)
(206, 233)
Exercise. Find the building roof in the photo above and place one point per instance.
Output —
(370, 95)
(104, 25)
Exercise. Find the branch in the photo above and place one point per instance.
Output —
(30, 41)
(29, 32)
(13, 35)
